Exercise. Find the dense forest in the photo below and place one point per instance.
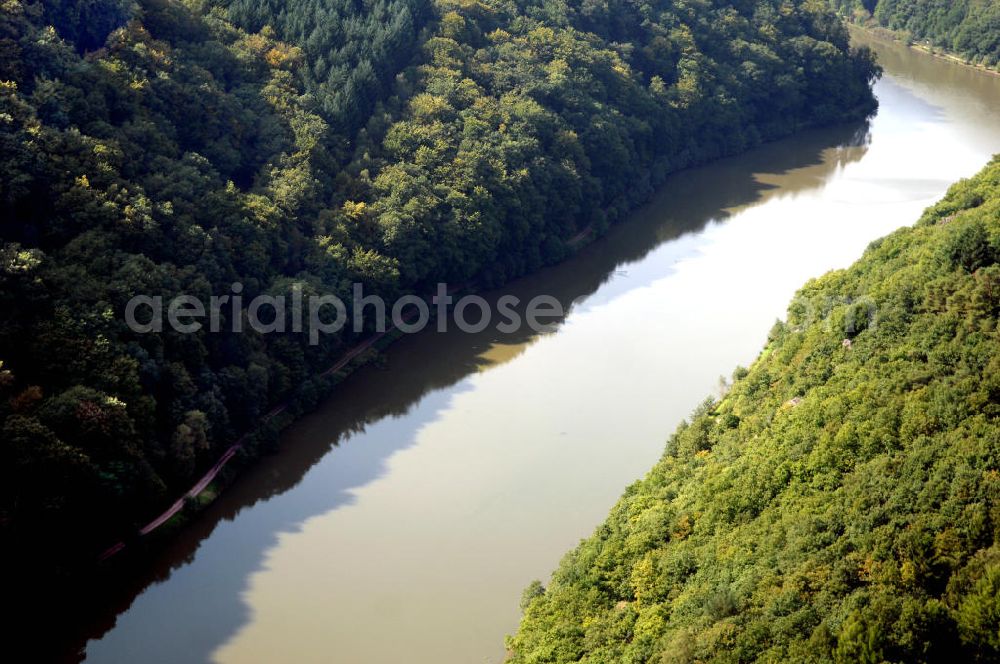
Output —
(968, 28)
(163, 147)
(841, 502)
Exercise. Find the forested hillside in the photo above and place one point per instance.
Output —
(841, 502)
(968, 28)
(164, 147)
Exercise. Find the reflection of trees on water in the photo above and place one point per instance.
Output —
(420, 367)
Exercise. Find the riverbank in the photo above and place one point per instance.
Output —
(876, 31)
(208, 488)
(418, 502)
(837, 504)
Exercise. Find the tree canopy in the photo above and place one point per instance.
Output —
(167, 147)
(969, 28)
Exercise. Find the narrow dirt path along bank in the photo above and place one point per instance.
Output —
(234, 449)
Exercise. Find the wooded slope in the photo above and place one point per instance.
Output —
(162, 147)
(841, 502)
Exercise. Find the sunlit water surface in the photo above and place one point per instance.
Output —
(401, 522)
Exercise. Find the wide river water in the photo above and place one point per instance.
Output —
(401, 521)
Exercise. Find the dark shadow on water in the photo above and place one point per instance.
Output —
(170, 610)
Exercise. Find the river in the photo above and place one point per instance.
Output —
(402, 520)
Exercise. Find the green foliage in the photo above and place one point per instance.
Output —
(171, 146)
(352, 52)
(534, 590)
(969, 28)
(87, 23)
(842, 503)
